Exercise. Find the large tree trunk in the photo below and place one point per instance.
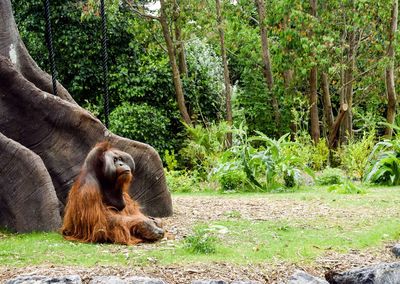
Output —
(61, 133)
(313, 98)
(390, 87)
(226, 73)
(28, 201)
(267, 70)
(12, 47)
(174, 66)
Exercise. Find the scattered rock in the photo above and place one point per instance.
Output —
(35, 279)
(143, 280)
(384, 273)
(245, 282)
(396, 250)
(107, 280)
(209, 282)
(301, 277)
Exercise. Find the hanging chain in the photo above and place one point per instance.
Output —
(49, 42)
(105, 67)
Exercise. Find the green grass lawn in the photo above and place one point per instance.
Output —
(357, 222)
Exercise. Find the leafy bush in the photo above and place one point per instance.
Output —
(201, 242)
(384, 163)
(233, 181)
(204, 82)
(320, 155)
(347, 187)
(354, 155)
(266, 162)
(142, 122)
(170, 160)
(204, 145)
(315, 156)
(331, 176)
(181, 181)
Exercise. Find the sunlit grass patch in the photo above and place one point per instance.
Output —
(343, 222)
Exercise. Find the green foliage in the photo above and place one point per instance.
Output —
(170, 160)
(181, 181)
(347, 187)
(354, 155)
(202, 241)
(140, 74)
(204, 145)
(315, 156)
(331, 176)
(266, 162)
(320, 155)
(233, 181)
(143, 123)
(384, 163)
(204, 83)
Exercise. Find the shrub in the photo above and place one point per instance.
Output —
(331, 176)
(320, 155)
(201, 242)
(315, 156)
(384, 163)
(141, 122)
(233, 181)
(354, 155)
(347, 187)
(267, 163)
(170, 160)
(204, 145)
(290, 180)
(181, 181)
(204, 82)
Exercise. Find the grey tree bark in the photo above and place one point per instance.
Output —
(313, 96)
(389, 72)
(227, 82)
(267, 70)
(28, 200)
(180, 98)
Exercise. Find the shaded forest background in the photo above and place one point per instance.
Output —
(326, 73)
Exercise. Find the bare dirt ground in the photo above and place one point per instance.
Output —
(189, 210)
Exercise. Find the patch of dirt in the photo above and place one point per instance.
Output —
(190, 210)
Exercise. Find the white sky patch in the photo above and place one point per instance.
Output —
(13, 54)
(153, 7)
(234, 2)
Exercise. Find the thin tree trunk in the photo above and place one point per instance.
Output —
(226, 73)
(180, 46)
(333, 134)
(326, 101)
(390, 87)
(314, 120)
(288, 73)
(347, 95)
(313, 98)
(347, 124)
(287, 80)
(175, 71)
(267, 70)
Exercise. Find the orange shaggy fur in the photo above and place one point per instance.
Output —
(88, 219)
